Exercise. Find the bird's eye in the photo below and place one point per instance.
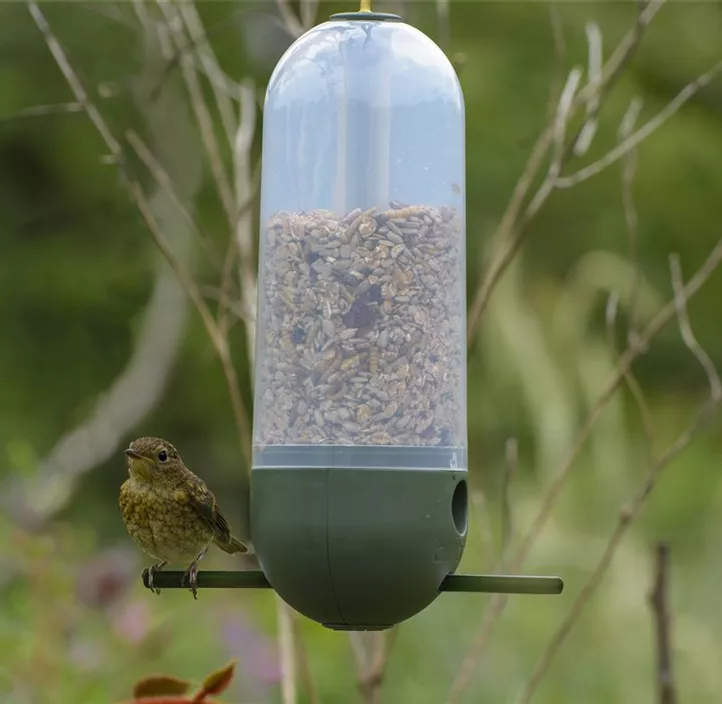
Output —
(163, 456)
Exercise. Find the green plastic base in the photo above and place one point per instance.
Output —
(358, 549)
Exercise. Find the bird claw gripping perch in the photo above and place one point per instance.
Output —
(191, 574)
(150, 571)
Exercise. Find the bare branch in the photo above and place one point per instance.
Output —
(309, 10)
(287, 650)
(515, 222)
(629, 169)
(289, 20)
(589, 129)
(42, 111)
(510, 468)
(166, 183)
(220, 344)
(634, 349)
(200, 109)
(513, 228)
(443, 24)
(623, 53)
(219, 80)
(245, 190)
(626, 517)
(556, 83)
(303, 664)
(485, 529)
(659, 602)
(634, 387)
(642, 133)
(76, 86)
(508, 227)
(686, 330)
(371, 667)
(629, 514)
(139, 386)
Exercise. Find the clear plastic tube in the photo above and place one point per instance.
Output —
(361, 349)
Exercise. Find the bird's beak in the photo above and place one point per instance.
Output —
(138, 466)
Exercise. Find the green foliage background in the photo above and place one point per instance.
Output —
(76, 268)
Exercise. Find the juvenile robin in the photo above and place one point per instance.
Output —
(169, 512)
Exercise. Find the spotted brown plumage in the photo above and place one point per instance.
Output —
(169, 512)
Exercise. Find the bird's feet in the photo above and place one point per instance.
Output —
(150, 571)
(191, 574)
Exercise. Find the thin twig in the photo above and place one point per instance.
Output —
(166, 183)
(443, 24)
(244, 190)
(42, 111)
(211, 68)
(629, 170)
(200, 109)
(513, 226)
(642, 133)
(234, 306)
(639, 398)
(659, 603)
(557, 81)
(510, 468)
(485, 526)
(594, 71)
(289, 20)
(287, 651)
(379, 661)
(685, 329)
(626, 517)
(139, 385)
(309, 10)
(136, 193)
(629, 513)
(303, 664)
(515, 222)
(623, 53)
(633, 350)
(228, 269)
(371, 668)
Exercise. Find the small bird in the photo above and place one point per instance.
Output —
(169, 512)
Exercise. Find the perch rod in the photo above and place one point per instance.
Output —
(255, 579)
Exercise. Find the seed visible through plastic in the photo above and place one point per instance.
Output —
(361, 320)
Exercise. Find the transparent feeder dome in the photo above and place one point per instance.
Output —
(361, 349)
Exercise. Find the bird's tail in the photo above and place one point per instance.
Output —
(233, 546)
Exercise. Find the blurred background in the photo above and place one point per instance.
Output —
(99, 344)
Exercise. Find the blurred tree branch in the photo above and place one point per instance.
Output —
(629, 167)
(628, 514)
(512, 229)
(372, 651)
(659, 602)
(514, 224)
(139, 387)
(235, 203)
(633, 351)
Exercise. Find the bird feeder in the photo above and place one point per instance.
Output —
(359, 494)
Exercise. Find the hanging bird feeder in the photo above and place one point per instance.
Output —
(359, 481)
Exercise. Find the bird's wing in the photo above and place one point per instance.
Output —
(202, 501)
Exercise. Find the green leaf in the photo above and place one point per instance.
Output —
(157, 685)
(216, 682)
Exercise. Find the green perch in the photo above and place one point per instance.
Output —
(481, 583)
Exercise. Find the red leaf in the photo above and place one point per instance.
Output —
(163, 699)
(216, 682)
(156, 685)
